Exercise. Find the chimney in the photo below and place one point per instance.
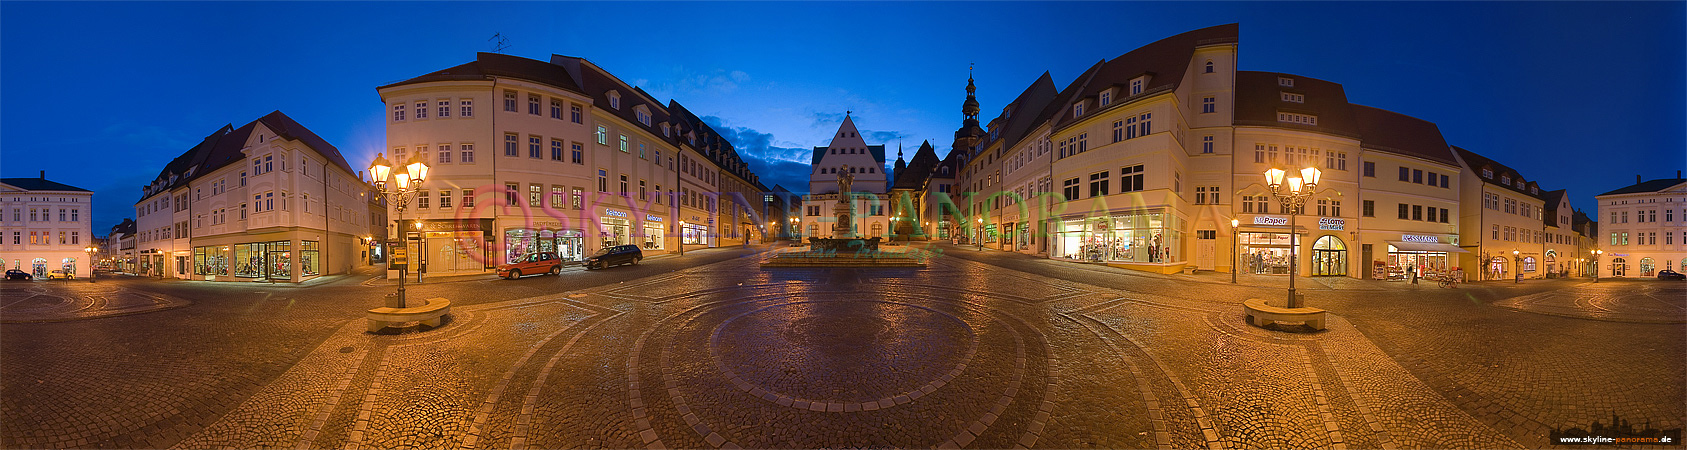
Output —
(1637, 178)
(1677, 174)
(43, 174)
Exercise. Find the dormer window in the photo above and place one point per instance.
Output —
(1535, 190)
(643, 115)
(1293, 97)
(1505, 179)
(1285, 82)
(1520, 183)
(1077, 110)
(1106, 97)
(1136, 85)
(1487, 173)
(614, 100)
(666, 130)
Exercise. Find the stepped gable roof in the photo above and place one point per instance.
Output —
(1657, 185)
(40, 184)
(487, 66)
(1392, 132)
(1164, 61)
(1259, 100)
(1475, 163)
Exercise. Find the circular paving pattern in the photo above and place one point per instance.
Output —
(77, 300)
(848, 355)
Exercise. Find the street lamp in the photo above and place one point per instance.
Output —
(1596, 255)
(1516, 264)
(682, 238)
(1235, 248)
(1299, 189)
(400, 193)
(979, 239)
(90, 250)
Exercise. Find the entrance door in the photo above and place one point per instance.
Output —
(1329, 257)
(1619, 267)
(1205, 250)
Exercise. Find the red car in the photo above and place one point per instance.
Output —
(531, 264)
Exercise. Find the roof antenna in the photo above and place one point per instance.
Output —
(499, 42)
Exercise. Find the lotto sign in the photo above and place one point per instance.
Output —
(1331, 223)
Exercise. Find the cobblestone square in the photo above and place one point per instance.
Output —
(977, 350)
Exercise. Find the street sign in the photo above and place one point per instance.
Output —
(400, 256)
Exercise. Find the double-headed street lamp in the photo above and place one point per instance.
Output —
(1299, 189)
(403, 188)
(90, 250)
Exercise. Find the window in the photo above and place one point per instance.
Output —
(1206, 144)
(511, 141)
(1303, 119)
(574, 114)
(1078, 110)
(1293, 97)
(444, 108)
(467, 151)
(1070, 188)
(1098, 184)
(1142, 124)
(641, 189)
(602, 180)
(623, 143)
(1118, 134)
(444, 153)
(1136, 86)
(1405, 211)
(643, 116)
(1285, 82)
(1209, 104)
(468, 198)
(509, 101)
(1417, 176)
(1106, 98)
(556, 109)
(624, 190)
(614, 100)
(535, 146)
(557, 194)
(1130, 178)
(422, 199)
(1368, 208)
(1443, 215)
(556, 149)
(467, 107)
(1405, 174)
(512, 193)
(398, 113)
(577, 198)
(444, 198)
(1259, 153)
(577, 153)
(1209, 67)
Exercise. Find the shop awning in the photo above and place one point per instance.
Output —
(1427, 247)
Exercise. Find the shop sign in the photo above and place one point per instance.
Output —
(1420, 238)
(1331, 223)
(651, 218)
(614, 213)
(451, 225)
(400, 255)
(1270, 220)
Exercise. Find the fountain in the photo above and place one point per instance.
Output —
(845, 248)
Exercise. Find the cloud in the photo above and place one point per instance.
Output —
(885, 137)
(683, 81)
(775, 165)
(827, 119)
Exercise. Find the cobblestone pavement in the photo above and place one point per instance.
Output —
(1644, 301)
(57, 301)
(983, 350)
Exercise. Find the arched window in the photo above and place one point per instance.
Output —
(1329, 257)
(878, 229)
(1647, 267)
(813, 229)
(1528, 264)
(1497, 267)
(1209, 67)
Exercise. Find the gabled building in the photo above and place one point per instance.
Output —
(1503, 235)
(1645, 228)
(47, 226)
(268, 201)
(850, 154)
(1408, 199)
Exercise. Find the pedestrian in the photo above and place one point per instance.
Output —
(1412, 271)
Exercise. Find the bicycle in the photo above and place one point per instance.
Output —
(1449, 280)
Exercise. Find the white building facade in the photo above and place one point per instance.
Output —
(868, 196)
(47, 226)
(1645, 228)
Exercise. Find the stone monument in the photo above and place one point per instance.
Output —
(845, 227)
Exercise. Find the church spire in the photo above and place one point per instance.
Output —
(969, 109)
(969, 134)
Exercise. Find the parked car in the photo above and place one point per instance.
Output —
(1667, 274)
(15, 274)
(614, 256)
(59, 275)
(531, 264)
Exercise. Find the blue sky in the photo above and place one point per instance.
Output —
(1581, 96)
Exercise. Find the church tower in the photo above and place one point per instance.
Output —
(969, 134)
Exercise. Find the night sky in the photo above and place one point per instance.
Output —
(1581, 96)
